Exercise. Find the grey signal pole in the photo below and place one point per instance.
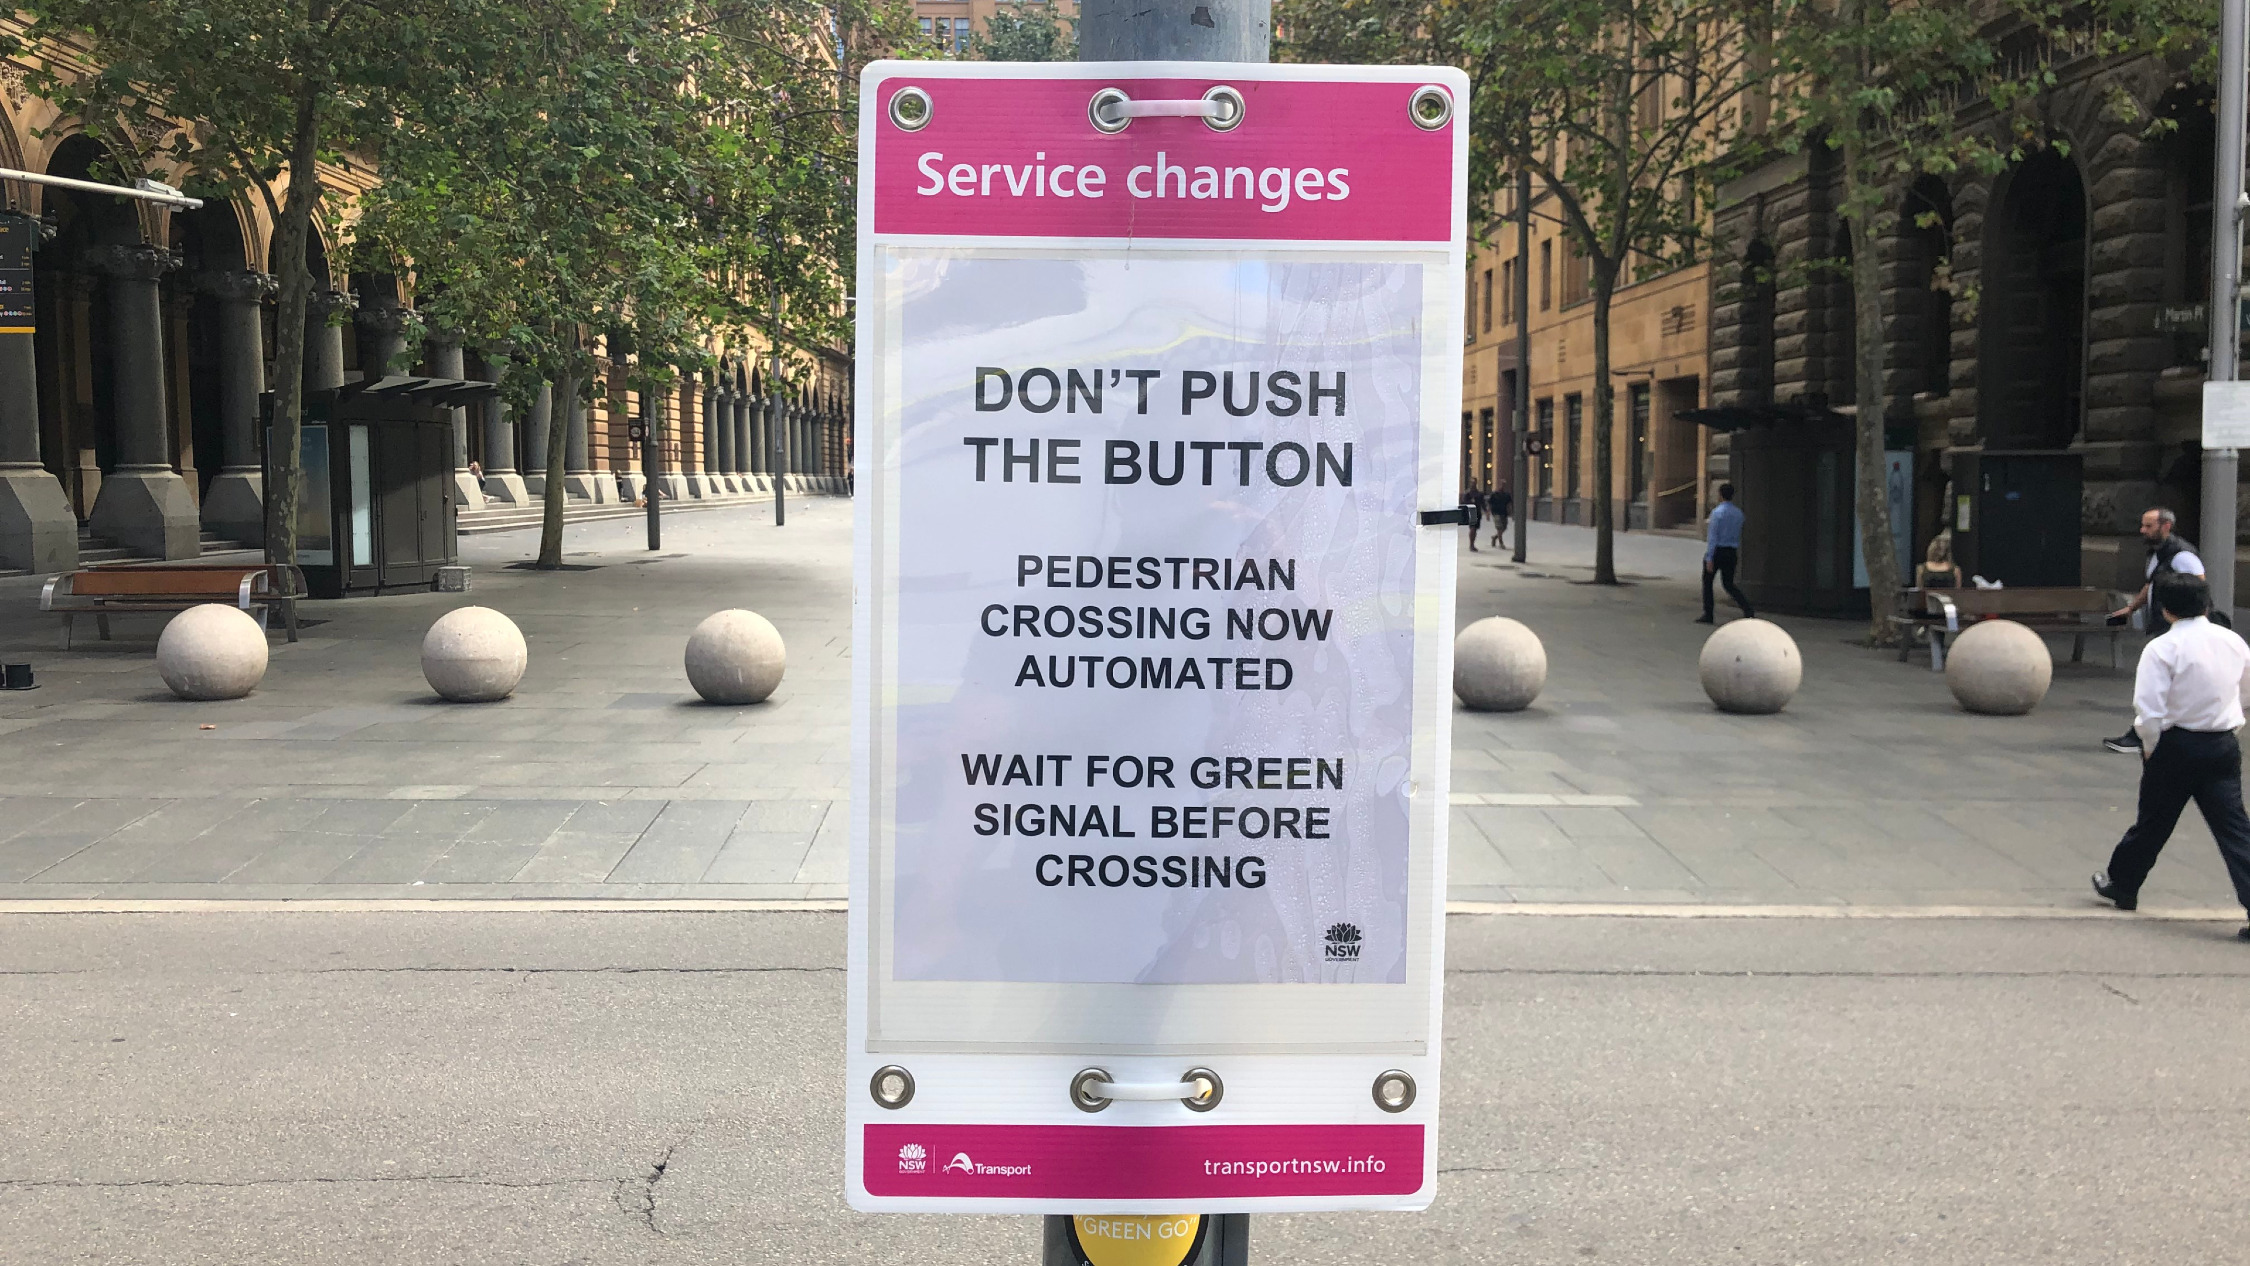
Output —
(1184, 31)
(2220, 464)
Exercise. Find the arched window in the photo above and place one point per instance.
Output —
(1925, 233)
(1757, 323)
(2032, 382)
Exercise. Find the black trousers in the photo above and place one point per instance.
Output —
(2187, 765)
(1722, 564)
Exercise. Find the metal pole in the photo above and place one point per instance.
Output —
(1184, 31)
(2220, 464)
(145, 189)
(1521, 503)
(649, 475)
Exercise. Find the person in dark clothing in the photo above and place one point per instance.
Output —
(2187, 705)
(1503, 506)
(2169, 554)
(1472, 505)
(1722, 549)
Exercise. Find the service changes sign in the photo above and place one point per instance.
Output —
(1158, 365)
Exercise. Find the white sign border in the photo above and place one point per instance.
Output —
(964, 1086)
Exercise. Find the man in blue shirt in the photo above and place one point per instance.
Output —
(1721, 550)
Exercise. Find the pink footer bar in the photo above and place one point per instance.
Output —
(1106, 1162)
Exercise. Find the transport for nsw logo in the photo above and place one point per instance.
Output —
(913, 1160)
(1343, 942)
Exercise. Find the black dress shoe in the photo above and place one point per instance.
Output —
(2243, 934)
(2106, 890)
(1703, 619)
(2129, 741)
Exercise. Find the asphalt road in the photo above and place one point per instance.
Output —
(640, 1087)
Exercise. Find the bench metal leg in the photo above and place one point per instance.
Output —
(1937, 650)
(289, 618)
(2077, 647)
(101, 624)
(66, 620)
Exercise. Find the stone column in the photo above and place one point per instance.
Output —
(143, 505)
(578, 475)
(445, 362)
(382, 337)
(722, 431)
(235, 504)
(38, 531)
(324, 339)
(746, 456)
(501, 482)
(707, 410)
(792, 442)
(536, 434)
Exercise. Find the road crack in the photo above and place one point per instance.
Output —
(2119, 992)
(637, 1197)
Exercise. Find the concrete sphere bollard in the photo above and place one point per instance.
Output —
(1998, 667)
(735, 657)
(1751, 666)
(474, 655)
(1498, 665)
(211, 652)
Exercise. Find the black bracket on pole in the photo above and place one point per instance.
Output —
(1458, 515)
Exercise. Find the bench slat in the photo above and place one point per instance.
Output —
(214, 584)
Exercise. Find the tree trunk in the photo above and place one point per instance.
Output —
(555, 495)
(286, 435)
(1871, 493)
(1605, 413)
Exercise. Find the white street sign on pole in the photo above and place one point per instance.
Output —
(1158, 365)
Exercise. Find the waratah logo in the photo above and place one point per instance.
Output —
(912, 1159)
(1343, 942)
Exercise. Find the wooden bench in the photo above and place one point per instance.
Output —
(1942, 614)
(135, 588)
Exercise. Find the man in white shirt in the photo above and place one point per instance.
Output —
(2187, 704)
(2169, 553)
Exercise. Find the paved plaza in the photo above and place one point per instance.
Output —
(347, 1073)
(604, 777)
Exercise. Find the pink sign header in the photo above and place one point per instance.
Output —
(1109, 1162)
(1309, 161)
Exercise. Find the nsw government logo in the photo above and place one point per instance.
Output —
(1343, 942)
(913, 1160)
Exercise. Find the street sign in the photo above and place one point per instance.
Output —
(18, 233)
(1158, 364)
(2226, 415)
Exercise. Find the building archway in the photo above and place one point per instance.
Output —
(2031, 389)
(209, 242)
(76, 362)
(1758, 299)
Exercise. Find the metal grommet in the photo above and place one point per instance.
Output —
(1431, 108)
(911, 109)
(1081, 1089)
(1213, 1089)
(1231, 108)
(1394, 1091)
(892, 1086)
(1103, 122)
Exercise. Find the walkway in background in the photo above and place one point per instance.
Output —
(604, 777)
